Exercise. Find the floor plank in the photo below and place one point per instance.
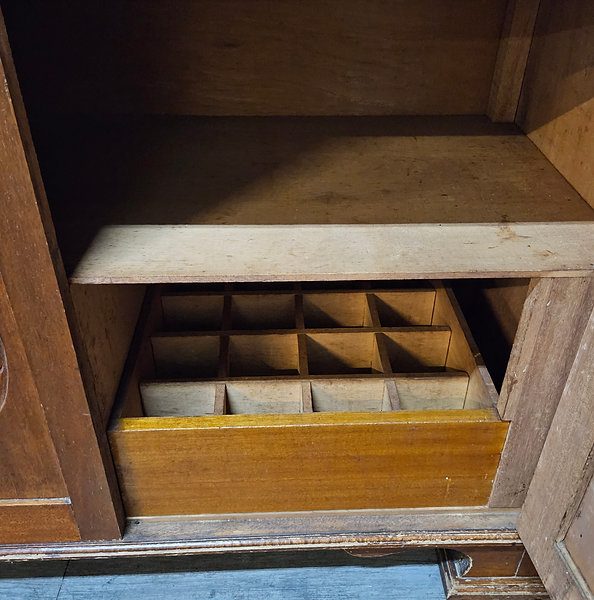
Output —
(286, 576)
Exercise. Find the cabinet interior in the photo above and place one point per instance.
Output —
(194, 142)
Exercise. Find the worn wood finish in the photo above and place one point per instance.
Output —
(389, 460)
(512, 57)
(106, 317)
(462, 581)
(557, 107)
(352, 530)
(561, 478)
(237, 58)
(579, 540)
(35, 289)
(281, 171)
(463, 354)
(178, 254)
(37, 521)
(492, 309)
(554, 317)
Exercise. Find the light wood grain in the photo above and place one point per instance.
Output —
(208, 57)
(277, 171)
(284, 253)
(417, 350)
(193, 312)
(549, 334)
(389, 461)
(401, 308)
(270, 397)
(462, 352)
(440, 391)
(561, 477)
(557, 107)
(106, 317)
(514, 47)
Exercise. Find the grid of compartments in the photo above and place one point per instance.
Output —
(300, 350)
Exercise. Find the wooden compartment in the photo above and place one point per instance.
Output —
(351, 414)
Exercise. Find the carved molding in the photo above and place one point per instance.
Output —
(3, 375)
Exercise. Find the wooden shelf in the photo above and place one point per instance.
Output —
(179, 199)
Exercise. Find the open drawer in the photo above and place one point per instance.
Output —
(295, 398)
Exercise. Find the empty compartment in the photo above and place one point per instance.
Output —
(442, 391)
(417, 350)
(193, 312)
(185, 399)
(350, 395)
(342, 353)
(267, 397)
(263, 311)
(403, 308)
(335, 310)
(191, 356)
(263, 354)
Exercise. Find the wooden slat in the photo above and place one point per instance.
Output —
(36, 521)
(562, 474)
(516, 39)
(240, 58)
(554, 317)
(153, 254)
(463, 354)
(353, 461)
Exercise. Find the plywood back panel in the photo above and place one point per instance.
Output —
(557, 105)
(231, 57)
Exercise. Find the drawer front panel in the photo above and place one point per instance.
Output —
(307, 462)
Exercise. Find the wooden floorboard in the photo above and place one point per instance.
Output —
(282, 576)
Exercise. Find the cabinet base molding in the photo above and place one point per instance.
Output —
(30, 521)
(496, 573)
(346, 530)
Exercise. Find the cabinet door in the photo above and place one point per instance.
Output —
(557, 521)
(49, 446)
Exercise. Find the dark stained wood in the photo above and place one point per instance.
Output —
(36, 285)
(37, 521)
(259, 58)
(553, 320)
(29, 465)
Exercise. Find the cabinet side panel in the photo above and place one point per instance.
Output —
(557, 104)
(106, 317)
